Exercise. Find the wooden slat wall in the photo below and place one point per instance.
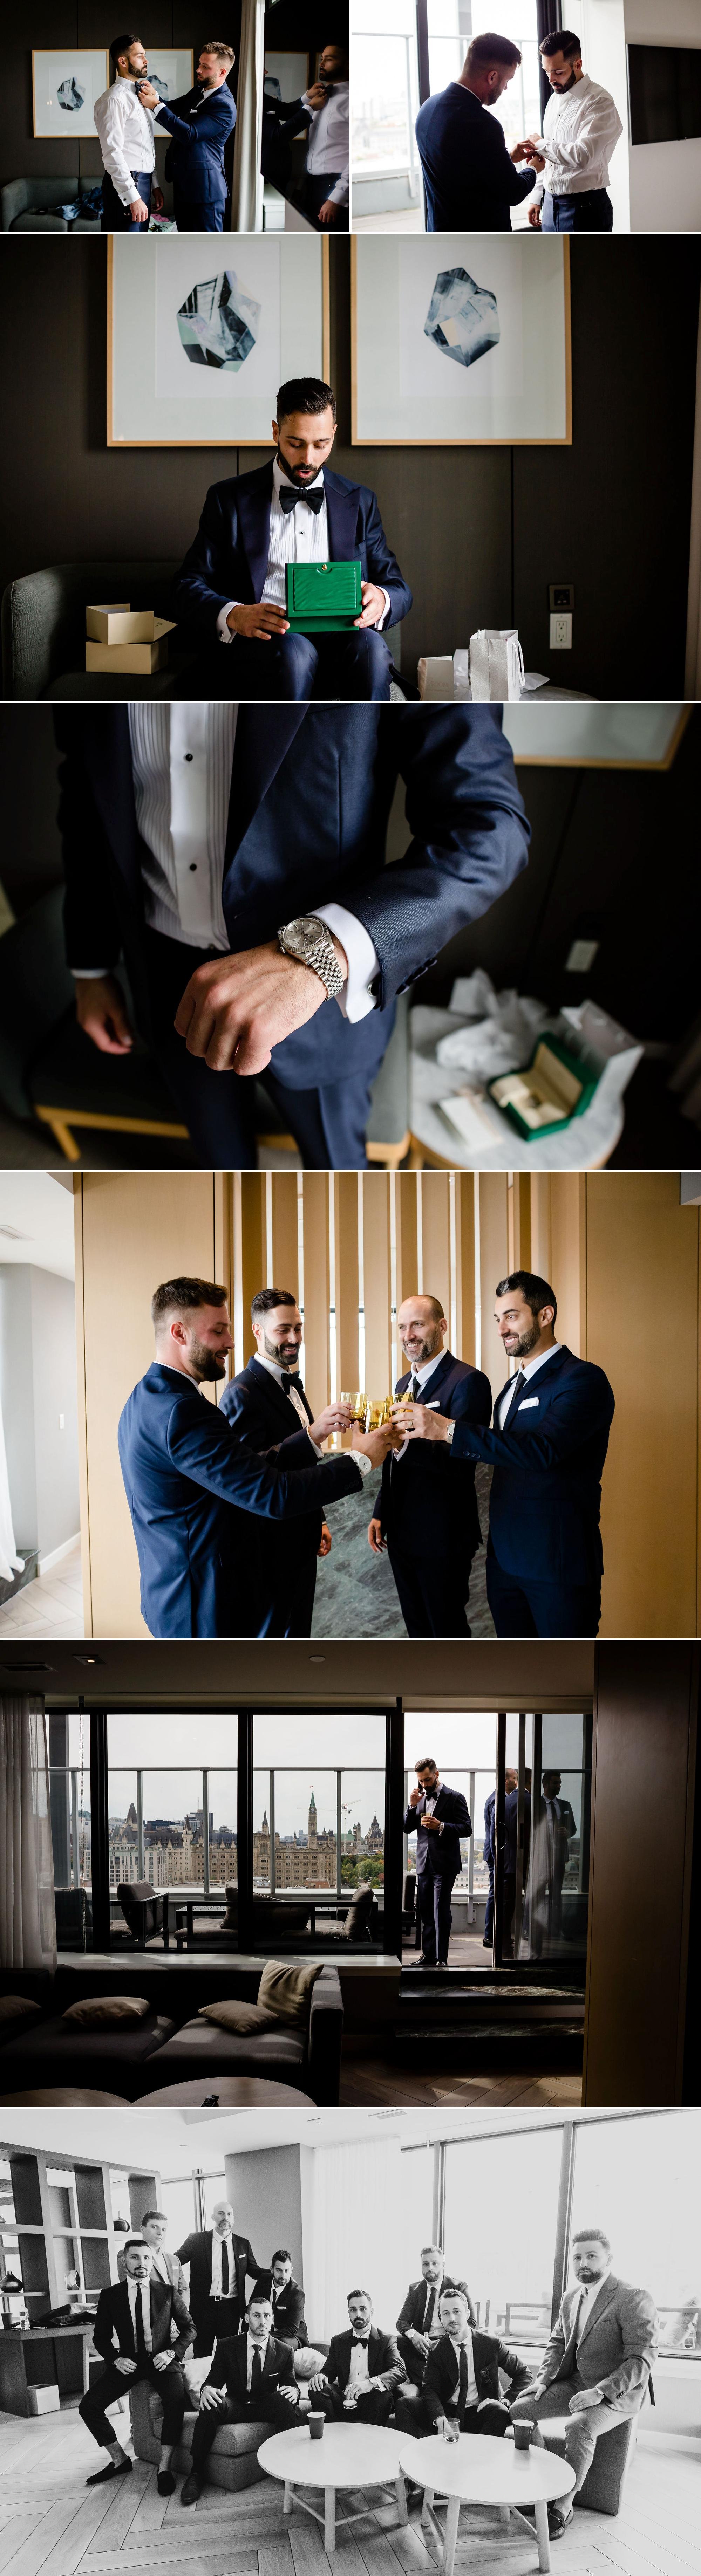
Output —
(642, 1328)
(377, 1283)
(435, 1230)
(345, 1189)
(465, 1186)
(493, 1265)
(254, 1266)
(645, 1721)
(283, 1193)
(317, 1340)
(406, 1196)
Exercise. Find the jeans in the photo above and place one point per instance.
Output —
(116, 217)
(588, 210)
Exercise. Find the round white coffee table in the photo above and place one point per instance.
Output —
(481, 2469)
(348, 2455)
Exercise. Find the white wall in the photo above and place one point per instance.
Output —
(37, 1386)
(665, 178)
(604, 54)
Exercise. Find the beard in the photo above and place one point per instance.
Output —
(297, 474)
(431, 1342)
(282, 1353)
(524, 1342)
(208, 1365)
(563, 86)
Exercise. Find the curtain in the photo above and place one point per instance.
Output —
(247, 188)
(351, 2233)
(10, 1562)
(692, 677)
(27, 1910)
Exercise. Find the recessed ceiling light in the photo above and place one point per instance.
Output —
(88, 1659)
(317, 1659)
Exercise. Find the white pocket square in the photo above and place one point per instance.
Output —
(527, 1400)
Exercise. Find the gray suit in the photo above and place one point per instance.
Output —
(614, 2355)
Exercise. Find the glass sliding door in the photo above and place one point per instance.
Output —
(544, 1840)
(319, 1827)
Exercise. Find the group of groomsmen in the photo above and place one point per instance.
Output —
(150, 2322)
(228, 1502)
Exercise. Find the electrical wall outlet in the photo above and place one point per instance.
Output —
(560, 631)
(581, 956)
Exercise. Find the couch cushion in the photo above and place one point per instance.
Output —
(66, 2044)
(13, 2010)
(96, 2009)
(234, 2014)
(202, 2046)
(286, 1991)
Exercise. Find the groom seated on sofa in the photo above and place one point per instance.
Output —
(362, 2371)
(251, 2381)
(231, 593)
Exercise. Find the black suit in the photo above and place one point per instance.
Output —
(289, 2324)
(383, 2361)
(438, 1862)
(470, 181)
(419, 2311)
(432, 1533)
(228, 560)
(261, 2405)
(442, 2393)
(263, 1418)
(217, 2318)
(311, 794)
(114, 2317)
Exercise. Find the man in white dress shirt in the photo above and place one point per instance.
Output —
(323, 193)
(581, 128)
(125, 135)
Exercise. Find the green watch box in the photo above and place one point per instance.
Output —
(545, 1094)
(323, 598)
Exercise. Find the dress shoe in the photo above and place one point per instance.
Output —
(442, 1963)
(165, 2482)
(191, 2489)
(114, 2469)
(558, 2522)
(427, 1963)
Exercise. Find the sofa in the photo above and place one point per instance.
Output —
(602, 2491)
(309, 2059)
(233, 2460)
(43, 631)
(33, 206)
(111, 2057)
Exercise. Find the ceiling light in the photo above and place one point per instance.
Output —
(88, 1659)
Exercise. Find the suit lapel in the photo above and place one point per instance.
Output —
(342, 517)
(254, 522)
(279, 1401)
(107, 754)
(598, 2308)
(259, 749)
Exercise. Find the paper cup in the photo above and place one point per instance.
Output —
(522, 2435)
(316, 2426)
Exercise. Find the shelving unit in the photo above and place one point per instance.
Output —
(58, 2226)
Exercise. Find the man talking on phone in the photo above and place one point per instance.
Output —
(125, 135)
(438, 1816)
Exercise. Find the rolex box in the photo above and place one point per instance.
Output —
(119, 624)
(140, 659)
(323, 598)
(544, 1095)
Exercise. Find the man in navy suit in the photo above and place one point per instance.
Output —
(437, 1816)
(270, 1414)
(510, 1784)
(470, 182)
(231, 590)
(190, 833)
(200, 124)
(430, 1532)
(547, 1446)
(193, 1493)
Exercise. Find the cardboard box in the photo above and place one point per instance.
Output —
(141, 659)
(43, 2401)
(117, 623)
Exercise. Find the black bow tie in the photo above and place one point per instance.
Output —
(313, 498)
(362, 2340)
(287, 1380)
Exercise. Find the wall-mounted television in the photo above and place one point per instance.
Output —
(664, 93)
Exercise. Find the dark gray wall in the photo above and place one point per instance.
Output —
(611, 513)
(265, 2190)
(37, 1384)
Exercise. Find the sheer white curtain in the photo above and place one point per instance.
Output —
(27, 1911)
(692, 679)
(247, 188)
(10, 1562)
(351, 2232)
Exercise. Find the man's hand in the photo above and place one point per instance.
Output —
(536, 161)
(534, 218)
(212, 2397)
(125, 2368)
(317, 94)
(432, 1824)
(162, 2360)
(101, 1012)
(335, 1417)
(157, 200)
(291, 2394)
(147, 94)
(318, 2382)
(419, 1421)
(375, 1444)
(236, 1009)
(374, 604)
(326, 1541)
(262, 621)
(583, 2399)
(420, 2340)
(375, 1538)
(519, 151)
(415, 1795)
(328, 212)
(138, 211)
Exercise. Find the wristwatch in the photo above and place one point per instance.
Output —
(310, 942)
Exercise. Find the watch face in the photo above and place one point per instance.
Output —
(307, 927)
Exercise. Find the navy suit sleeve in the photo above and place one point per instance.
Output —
(213, 572)
(201, 1446)
(469, 839)
(247, 1421)
(383, 567)
(507, 179)
(472, 1399)
(576, 1414)
(221, 115)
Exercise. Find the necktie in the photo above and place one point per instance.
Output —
(224, 2272)
(139, 2326)
(428, 2311)
(414, 1391)
(519, 1389)
(290, 1378)
(313, 499)
(464, 2381)
(256, 2373)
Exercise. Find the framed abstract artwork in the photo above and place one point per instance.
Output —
(171, 70)
(461, 340)
(65, 84)
(202, 330)
(286, 75)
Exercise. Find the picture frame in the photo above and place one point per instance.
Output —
(157, 396)
(292, 68)
(598, 734)
(174, 65)
(80, 73)
(490, 301)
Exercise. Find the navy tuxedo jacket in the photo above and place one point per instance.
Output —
(229, 558)
(548, 1461)
(311, 793)
(260, 1415)
(440, 1853)
(192, 1493)
(200, 125)
(419, 1509)
(470, 181)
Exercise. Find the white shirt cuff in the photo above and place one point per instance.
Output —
(321, 1454)
(449, 1435)
(89, 974)
(224, 632)
(356, 1000)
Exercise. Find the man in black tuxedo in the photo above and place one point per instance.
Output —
(251, 2381)
(287, 2301)
(269, 1412)
(236, 860)
(554, 1828)
(220, 2262)
(138, 2313)
(461, 2379)
(418, 2322)
(361, 2372)
(437, 1816)
(470, 182)
(231, 590)
(431, 1533)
